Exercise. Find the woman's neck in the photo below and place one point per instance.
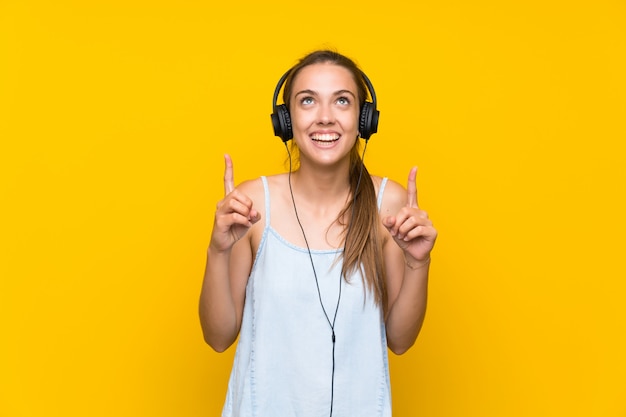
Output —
(321, 185)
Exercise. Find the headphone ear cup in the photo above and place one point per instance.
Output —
(368, 120)
(282, 123)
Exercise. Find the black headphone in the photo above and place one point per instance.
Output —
(281, 120)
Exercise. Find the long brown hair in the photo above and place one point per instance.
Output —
(363, 243)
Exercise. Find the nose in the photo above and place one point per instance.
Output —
(325, 115)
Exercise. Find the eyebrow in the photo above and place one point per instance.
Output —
(336, 93)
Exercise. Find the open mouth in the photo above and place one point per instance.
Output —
(325, 137)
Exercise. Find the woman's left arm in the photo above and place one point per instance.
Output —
(407, 261)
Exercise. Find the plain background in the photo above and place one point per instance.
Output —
(114, 118)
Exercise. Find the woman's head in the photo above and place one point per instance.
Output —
(324, 94)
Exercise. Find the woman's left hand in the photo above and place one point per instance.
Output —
(411, 228)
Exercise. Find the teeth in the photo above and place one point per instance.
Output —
(325, 137)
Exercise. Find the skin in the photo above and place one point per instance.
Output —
(324, 112)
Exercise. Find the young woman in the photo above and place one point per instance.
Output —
(317, 271)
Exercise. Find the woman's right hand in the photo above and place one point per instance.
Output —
(235, 213)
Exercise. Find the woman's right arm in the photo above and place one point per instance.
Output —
(229, 259)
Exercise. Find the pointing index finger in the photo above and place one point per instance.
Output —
(412, 188)
(229, 181)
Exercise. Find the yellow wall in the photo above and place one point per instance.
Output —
(114, 116)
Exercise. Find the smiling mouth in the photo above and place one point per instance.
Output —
(325, 137)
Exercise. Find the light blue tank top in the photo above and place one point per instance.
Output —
(284, 361)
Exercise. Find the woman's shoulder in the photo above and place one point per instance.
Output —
(276, 179)
(255, 188)
(251, 187)
(256, 184)
(391, 188)
(393, 194)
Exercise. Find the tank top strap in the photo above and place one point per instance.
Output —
(381, 190)
(266, 188)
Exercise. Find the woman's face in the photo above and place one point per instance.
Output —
(324, 112)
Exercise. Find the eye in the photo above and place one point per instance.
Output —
(306, 100)
(344, 101)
